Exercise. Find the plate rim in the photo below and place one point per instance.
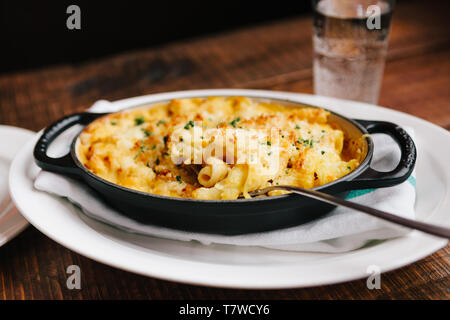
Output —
(433, 246)
(21, 223)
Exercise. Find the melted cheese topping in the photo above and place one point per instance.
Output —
(217, 148)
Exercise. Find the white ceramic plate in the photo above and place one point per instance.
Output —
(11, 222)
(246, 267)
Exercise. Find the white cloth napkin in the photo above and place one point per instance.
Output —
(339, 231)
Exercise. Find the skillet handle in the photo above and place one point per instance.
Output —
(372, 178)
(65, 164)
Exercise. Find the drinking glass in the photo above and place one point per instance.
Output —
(350, 44)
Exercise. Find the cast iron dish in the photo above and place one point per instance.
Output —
(232, 217)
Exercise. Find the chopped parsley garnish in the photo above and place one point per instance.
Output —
(146, 132)
(349, 168)
(141, 149)
(235, 121)
(323, 131)
(322, 152)
(202, 137)
(190, 124)
(138, 121)
(165, 154)
(297, 127)
(305, 142)
(282, 137)
(154, 147)
(269, 153)
(161, 122)
(269, 143)
(113, 123)
(148, 165)
(179, 179)
(286, 171)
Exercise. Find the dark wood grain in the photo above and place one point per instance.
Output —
(275, 56)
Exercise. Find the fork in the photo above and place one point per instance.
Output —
(413, 224)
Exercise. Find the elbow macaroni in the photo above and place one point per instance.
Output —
(214, 171)
(217, 148)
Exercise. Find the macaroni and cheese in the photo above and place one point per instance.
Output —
(217, 147)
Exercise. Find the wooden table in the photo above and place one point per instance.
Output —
(274, 56)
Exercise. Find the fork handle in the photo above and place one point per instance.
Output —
(413, 224)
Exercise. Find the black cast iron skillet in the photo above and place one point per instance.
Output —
(232, 217)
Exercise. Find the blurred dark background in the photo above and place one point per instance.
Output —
(34, 33)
